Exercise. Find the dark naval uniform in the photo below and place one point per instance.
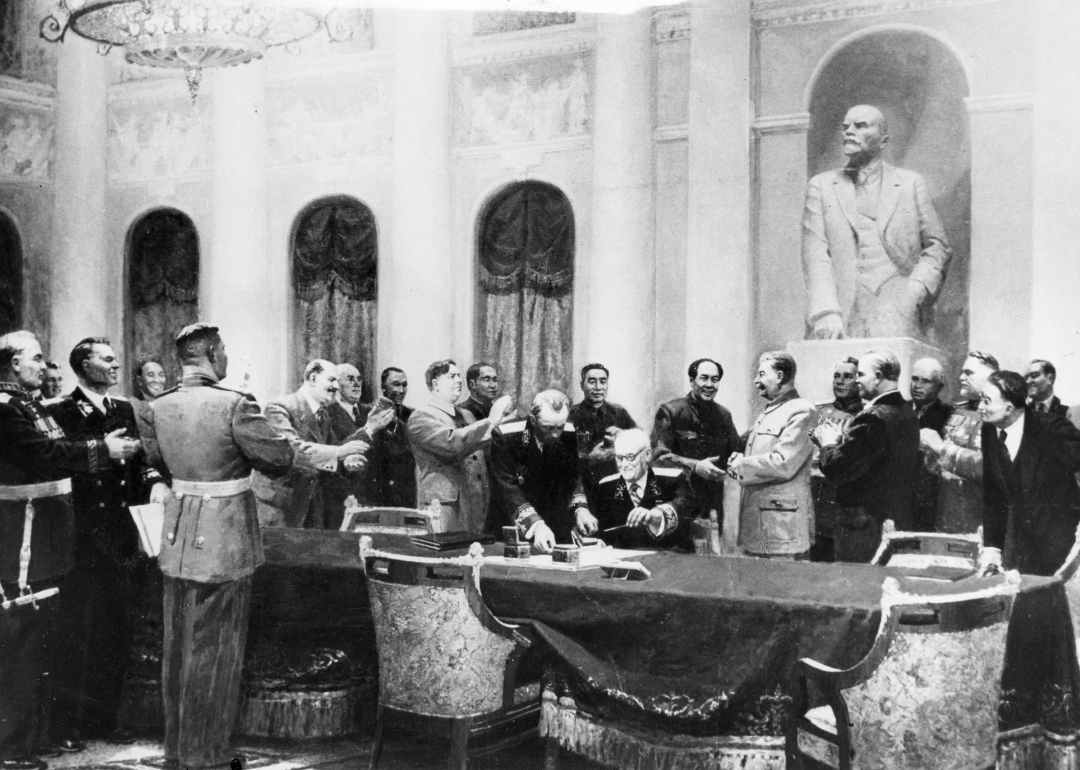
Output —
(36, 464)
(392, 467)
(697, 430)
(531, 484)
(826, 509)
(475, 407)
(665, 489)
(99, 597)
(210, 439)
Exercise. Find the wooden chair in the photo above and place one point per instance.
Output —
(389, 521)
(926, 695)
(928, 550)
(447, 666)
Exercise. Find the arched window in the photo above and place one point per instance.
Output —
(335, 282)
(525, 298)
(11, 277)
(163, 287)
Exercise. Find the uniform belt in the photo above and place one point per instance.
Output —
(29, 493)
(208, 489)
(35, 491)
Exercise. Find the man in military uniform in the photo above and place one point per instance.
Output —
(210, 438)
(392, 468)
(641, 506)
(36, 464)
(846, 404)
(537, 484)
(958, 455)
(98, 599)
(597, 422)
(696, 434)
(482, 380)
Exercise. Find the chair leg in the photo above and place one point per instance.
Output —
(551, 753)
(459, 745)
(376, 746)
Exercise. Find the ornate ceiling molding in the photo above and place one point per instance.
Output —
(670, 25)
(1000, 102)
(14, 91)
(548, 41)
(782, 124)
(782, 13)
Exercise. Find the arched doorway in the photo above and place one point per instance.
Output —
(163, 288)
(920, 86)
(525, 277)
(11, 276)
(335, 259)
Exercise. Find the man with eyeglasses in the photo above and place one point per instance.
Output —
(641, 506)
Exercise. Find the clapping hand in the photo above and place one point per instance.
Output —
(378, 419)
(707, 470)
(500, 410)
(354, 463)
(827, 434)
(932, 440)
(356, 447)
(121, 448)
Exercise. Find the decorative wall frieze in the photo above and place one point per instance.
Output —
(671, 133)
(14, 91)
(332, 171)
(782, 124)
(515, 153)
(781, 13)
(1000, 102)
(155, 89)
(549, 41)
(26, 143)
(158, 139)
(671, 24)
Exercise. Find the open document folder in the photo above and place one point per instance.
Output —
(149, 520)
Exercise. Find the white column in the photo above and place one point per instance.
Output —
(718, 265)
(83, 282)
(416, 292)
(1055, 313)
(241, 280)
(622, 285)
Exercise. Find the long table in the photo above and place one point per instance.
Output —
(707, 646)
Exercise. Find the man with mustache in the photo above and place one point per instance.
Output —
(696, 434)
(873, 249)
(776, 516)
(296, 499)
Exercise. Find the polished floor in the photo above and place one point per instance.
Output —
(399, 753)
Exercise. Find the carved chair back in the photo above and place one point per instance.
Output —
(920, 550)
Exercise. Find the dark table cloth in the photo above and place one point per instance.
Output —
(707, 646)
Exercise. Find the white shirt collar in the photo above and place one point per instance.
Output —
(97, 399)
(314, 405)
(442, 406)
(1014, 434)
(1048, 402)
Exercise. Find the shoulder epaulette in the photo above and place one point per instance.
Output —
(512, 427)
(671, 473)
(824, 403)
(612, 477)
(168, 392)
(240, 393)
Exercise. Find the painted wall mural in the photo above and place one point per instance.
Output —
(26, 142)
(158, 139)
(494, 22)
(312, 122)
(530, 101)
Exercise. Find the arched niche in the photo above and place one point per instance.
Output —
(162, 287)
(11, 276)
(917, 81)
(525, 238)
(335, 262)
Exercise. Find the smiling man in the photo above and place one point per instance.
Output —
(873, 249)
(776, 518)
(597, 422)
(698, 435)
(482, 380)
(873, 461)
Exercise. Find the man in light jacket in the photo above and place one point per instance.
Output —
(448, 445)
(776, 516)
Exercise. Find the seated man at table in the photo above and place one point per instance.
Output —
(641, 506)
(536, 478)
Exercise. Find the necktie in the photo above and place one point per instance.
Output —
(1041, 407)
(1005, 447)
(635, 496)
(109, 409)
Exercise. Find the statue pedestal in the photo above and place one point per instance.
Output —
(816, 360)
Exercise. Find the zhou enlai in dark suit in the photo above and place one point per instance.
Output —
(875, 462)
(641, 506)
(99, 600)
(1029, 464)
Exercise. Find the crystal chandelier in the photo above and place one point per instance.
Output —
(187, 34)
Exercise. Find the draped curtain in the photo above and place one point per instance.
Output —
(11, 277)
(163, 285)
(335, 279)
(525, 298)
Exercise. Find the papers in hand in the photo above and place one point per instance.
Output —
(149, 520)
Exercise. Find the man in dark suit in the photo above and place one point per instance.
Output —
(296, 498)
(536, 478)
(36, 464)
(597, 422)
(1041, 376)
(392, 467)
(873, 461)
(1030, 461)
(99, 598)
(641, 506)
(927, 381)
(482, 380)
